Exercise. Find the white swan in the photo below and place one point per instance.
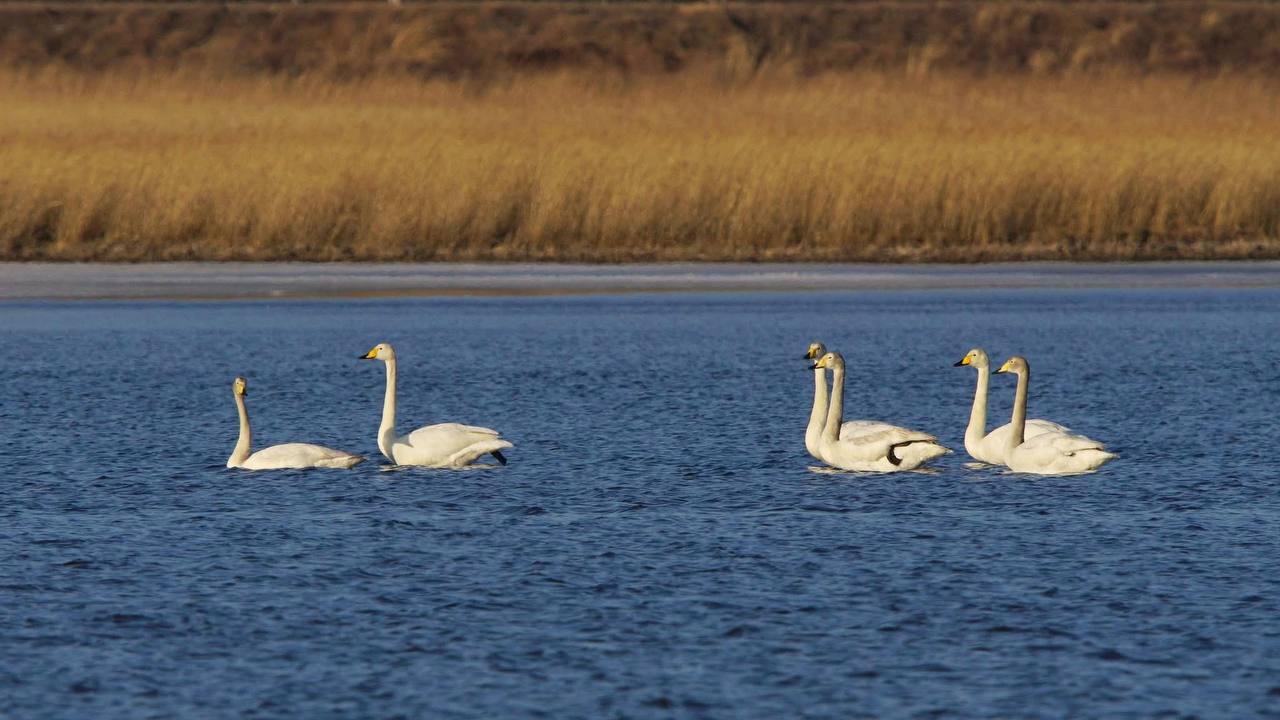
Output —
(280, 457)
(990, 447)
(1049, 453)
(444, 445)
(869, 445)
(818, 415)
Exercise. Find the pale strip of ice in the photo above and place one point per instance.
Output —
(258, 280)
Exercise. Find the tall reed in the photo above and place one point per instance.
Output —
(580, 166)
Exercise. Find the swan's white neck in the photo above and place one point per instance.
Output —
(835, 412)
(818, 416)
(387, 430)
(1019, 421)
(977, 429)
(241, 451)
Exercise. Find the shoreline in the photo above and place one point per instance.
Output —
(171, 281)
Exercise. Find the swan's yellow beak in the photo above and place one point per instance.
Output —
(820, 364)
(964, 361)
(812, 353)
(1006, 367)
(369, 355)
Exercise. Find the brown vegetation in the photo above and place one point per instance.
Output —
(338, 151)
(484, 41)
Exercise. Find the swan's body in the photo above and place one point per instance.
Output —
(868, 445)
(442, 445)
(446, 445)
(281, 457)
(298, 456)
(1049, 453)
(990, 447)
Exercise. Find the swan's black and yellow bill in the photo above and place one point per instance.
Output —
(963, 361)
(826, 361)
(369, 355)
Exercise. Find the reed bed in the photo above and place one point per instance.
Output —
(579, 166)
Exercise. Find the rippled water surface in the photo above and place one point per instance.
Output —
(658, 545)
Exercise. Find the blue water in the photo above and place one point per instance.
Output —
(658, 546)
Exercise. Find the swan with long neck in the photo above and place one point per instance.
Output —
(446, 445)
(1048, 453)
(868, 445)
(990, 447)
(818, 415)
(280, 457)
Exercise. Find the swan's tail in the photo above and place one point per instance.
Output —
(914, 453)
(1096, 457)
(345, 461)
(472, 452)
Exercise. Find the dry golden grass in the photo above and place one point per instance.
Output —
(576, 167)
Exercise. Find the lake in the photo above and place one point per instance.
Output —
(659, 545)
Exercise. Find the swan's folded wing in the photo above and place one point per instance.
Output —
(1070, 443)
(456, 429)
(1000, 436)
(446, 445)
(1062, 443)
(1036, 427)
(1058, 454)
(866, 432)
(871, 440)
(437, 444)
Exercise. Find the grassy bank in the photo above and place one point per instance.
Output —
(640, 131)
(579, 167)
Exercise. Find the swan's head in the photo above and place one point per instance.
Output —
(816, 350)
(381, 351)
(1016, 364)
(830, 361)
(240, 386)
(976, 357)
